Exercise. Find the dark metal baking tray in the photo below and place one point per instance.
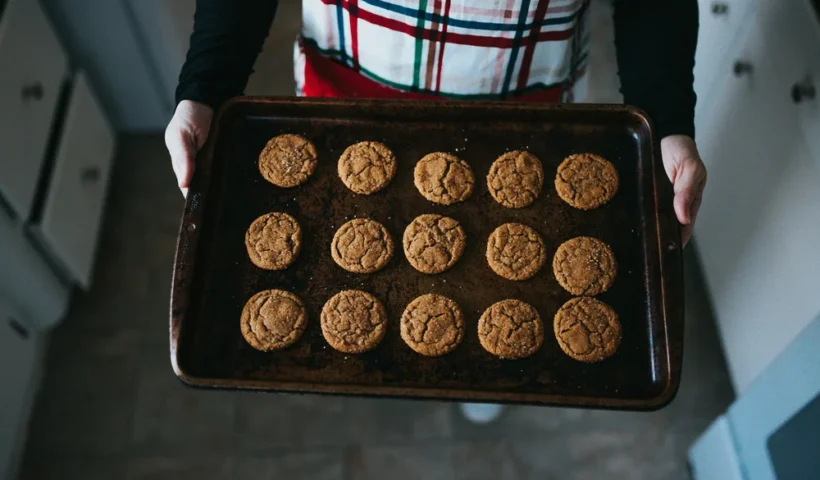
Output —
(213, 277)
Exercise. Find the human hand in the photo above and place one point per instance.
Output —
(185, 135)
(687, 173)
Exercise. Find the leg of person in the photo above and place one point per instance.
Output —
(481, 413)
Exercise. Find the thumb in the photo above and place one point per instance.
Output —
(182, 149)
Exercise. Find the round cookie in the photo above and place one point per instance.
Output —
(353, 321)
(584, 266)
(273, 319)
(433, 243)
(511, 329)
(515, 251)
(586, 181)
(362, 246)
(443, 178)
(587, 330)
(367, 167)
(432, 325)
(288, 160)
(273, 241)
(515, 179)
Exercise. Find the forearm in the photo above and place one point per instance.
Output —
(655, 43)
(227, 37)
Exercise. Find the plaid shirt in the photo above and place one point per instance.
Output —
(452, 48)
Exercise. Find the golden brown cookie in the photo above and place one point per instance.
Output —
(353, 321)
(273, 319)
(432, 325)
(587, 330)
(515, 251)
(362, 246)
(586, 181)
(584, 266)
(288, 160)
(515, 179)
(273, 241)
(433, 243)
(367, 167)
(511, 329)
(443, 178)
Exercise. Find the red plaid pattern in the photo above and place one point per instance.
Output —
(452, 48)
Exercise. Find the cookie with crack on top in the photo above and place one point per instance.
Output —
(511, 329)
(443, 178)
(584, 266)
(353, 321)
(362, 246)
(367, 167)
(288, 160)
(515, 179)
(432, 325)
(273, 241)
(587, 329)
(586, 181)
(273, 319)
(433, 243)
(515, 251)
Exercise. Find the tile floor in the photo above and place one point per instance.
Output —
(110, 407)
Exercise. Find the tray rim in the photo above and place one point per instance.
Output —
(670, 263)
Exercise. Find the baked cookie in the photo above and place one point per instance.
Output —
(433, 243)
(367, 167)
(443, 178)
(353, 321)
(584, 266)
(515, 251)
(362, 246)
(587, 330)
(515, 179)
(432, 325)
(273, 319)
(288, 160)
(511, 329)
(586, 181)
(273, 241)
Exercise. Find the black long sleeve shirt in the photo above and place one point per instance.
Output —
(655, 43)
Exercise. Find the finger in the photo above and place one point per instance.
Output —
(184, 191)
(181, 150)
(686, 233)
(682, 204)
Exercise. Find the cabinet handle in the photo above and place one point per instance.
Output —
(32, 91)
(720, 8)
(803, 91)
(741, 68)
(90, 174)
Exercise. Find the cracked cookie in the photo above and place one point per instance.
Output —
(584, 266)
(432, 325)
(511, 329)
(367, 167)
(515, 179)
(353, 321)
(443, 178)
(586, 181)
(362, 246)
(587, 330)
(273, 241)
(515, 251)
(273, 319)
(433, 243)
(288, 160)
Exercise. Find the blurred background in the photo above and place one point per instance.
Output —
(89, 213)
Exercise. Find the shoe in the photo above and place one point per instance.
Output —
(481, 413)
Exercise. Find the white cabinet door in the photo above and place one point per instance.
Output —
(73, 208)
(32, 69)
(759, 215)
(18, 357)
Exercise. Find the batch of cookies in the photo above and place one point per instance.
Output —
(355, 321)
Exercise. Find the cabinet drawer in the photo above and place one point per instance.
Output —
(32, 69)
(73, 207)
(720, 23)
